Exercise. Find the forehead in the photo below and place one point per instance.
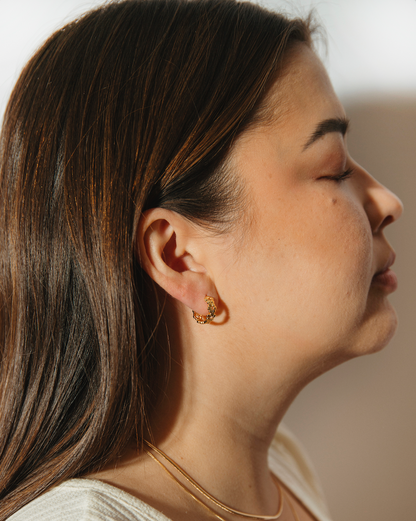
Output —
(295, 107)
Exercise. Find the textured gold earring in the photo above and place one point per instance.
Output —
(206, 319)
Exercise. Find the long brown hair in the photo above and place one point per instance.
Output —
(134, 105)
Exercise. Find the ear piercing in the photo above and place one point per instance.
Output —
(212, 308)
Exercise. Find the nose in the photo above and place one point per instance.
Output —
(382, 206)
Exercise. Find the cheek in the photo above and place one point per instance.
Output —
(319, 237)
(310, 270)
(345, 246)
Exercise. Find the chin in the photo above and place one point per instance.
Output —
(378, 329)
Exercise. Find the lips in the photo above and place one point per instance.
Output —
(385, 277)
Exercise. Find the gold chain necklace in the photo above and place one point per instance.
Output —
(209, 509)
(206, 494)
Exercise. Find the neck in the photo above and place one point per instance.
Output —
(218, 422)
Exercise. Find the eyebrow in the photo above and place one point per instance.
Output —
(327, 126)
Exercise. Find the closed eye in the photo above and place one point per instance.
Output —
(340, 177)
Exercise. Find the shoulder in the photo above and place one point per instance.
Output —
(290, 463)
(87, 500)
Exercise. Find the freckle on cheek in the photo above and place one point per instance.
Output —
(334, 201)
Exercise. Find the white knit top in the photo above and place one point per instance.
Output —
(93, 500)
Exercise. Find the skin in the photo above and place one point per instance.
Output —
(296, 295)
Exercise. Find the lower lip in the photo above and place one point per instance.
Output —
(387, 280)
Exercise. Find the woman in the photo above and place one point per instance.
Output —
(186, 243)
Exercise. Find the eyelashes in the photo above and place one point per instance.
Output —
(345, 175)
(340, 177)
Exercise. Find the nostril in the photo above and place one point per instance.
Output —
(388, 220)
(385, 222)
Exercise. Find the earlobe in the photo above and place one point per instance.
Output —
(170, 253)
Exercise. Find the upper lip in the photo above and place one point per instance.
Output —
(389, 262)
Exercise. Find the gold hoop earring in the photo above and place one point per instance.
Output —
(212, 308)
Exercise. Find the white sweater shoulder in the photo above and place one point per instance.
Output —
(92, 500)
(87, 500)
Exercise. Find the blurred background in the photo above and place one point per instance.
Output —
(357, 422)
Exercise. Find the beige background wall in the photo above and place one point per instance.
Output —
(358, 422)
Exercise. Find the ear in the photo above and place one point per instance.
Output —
(172, 252)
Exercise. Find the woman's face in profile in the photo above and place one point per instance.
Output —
(308, 272)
